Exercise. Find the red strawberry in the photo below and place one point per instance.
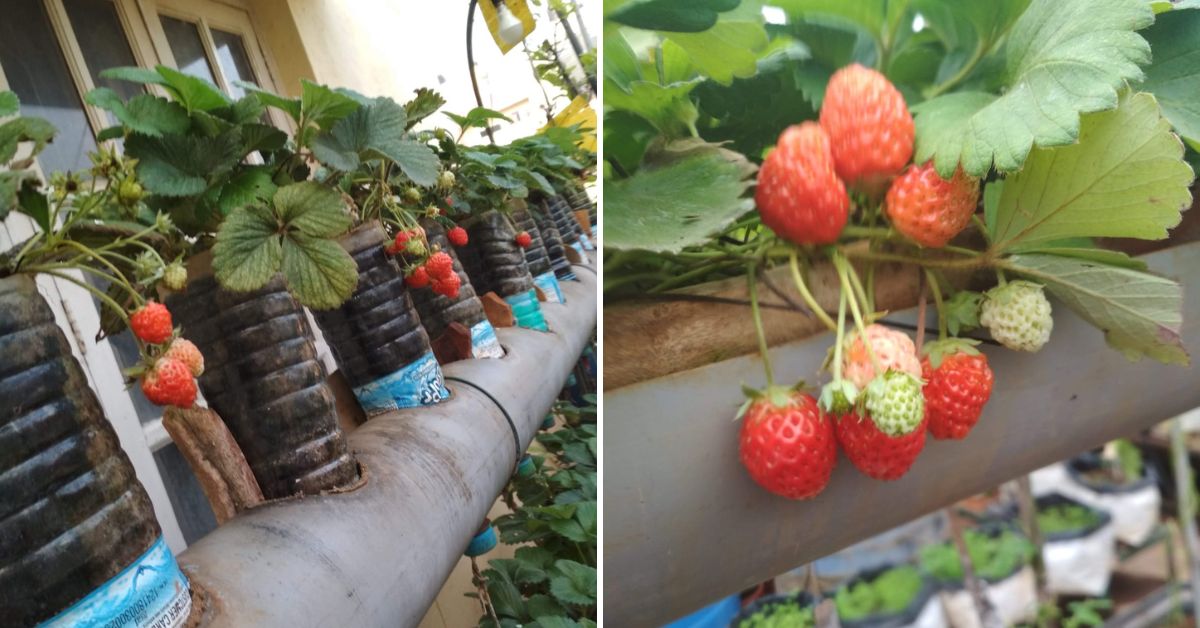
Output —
(787, 444)
(397, 245)
(958, 383)
(418, 278)
(440, 265)
(183, 350)
(448, 286)
(870, 128)
(152, 322)
(170, 383)
(928, 209)
(457, 236)
(524, 239)
(799, 197)
(874, 453)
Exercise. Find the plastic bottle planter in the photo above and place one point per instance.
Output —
(503, 266)
(484, 540)
(554, 243)
(376, 336)
(579, 201)
(79, 544)
(263, 377)
(548, 422)
(568, 228)
(537, 258)
(438, 312)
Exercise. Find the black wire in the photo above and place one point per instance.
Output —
(512, 426)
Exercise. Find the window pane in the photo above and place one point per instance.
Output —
(235, 64)
(102, 40)
(187, 48)
(38, 73)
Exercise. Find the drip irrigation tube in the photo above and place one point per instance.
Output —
(378, 556)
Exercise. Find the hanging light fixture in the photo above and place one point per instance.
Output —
(508, 27)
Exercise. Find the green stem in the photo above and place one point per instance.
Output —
(117, 275)
(962, 73)
(867, 301)
(843, 270)
(841, 336)
(936, 288)
(965, 264)
(802, 288)
(104, 298)
(758, 325)
(855, 231)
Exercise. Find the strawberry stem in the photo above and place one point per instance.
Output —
(758, 326)
(802, 288)
(937, 301)
(842, 265)
(841, 336)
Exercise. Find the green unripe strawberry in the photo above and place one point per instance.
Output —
(1018, 315)
(446, 180)
(130, 192)
(895, 403)
(175, 276)
(412, 195)
(415, 247)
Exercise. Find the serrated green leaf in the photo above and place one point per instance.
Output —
(730, 48)
(34, 204)
(551, 621)
(1063, 58)
(586, 514)
(9, 182)
(252, 185)
(569, 528)
(539, 557)
(681, 16)
(1124, 178)
(477, 117)
(966, 25)
(111, 133)
(248, 251)
(195, 94)
(505, 596)
(291, 106)
(1139, 313)
(319, 272)
(312, 209)
(542, 606)
(693, 191)
(576, 585)
(962, 311)
(262, 137)
(323, 106)
(141, 76)
(145, 114)
(1174, 75)
(179, 165)
(423, 105)
(24, 129)
(417, 161)
(9, 103)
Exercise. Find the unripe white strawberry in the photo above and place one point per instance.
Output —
(895, 403)
(894, 350)
(1018, 315)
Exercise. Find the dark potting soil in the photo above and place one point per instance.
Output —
(377, 331)
(502, 263)
(72, 512)
(263, 376)
(437, 311)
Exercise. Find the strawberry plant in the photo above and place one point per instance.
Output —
(989, 147)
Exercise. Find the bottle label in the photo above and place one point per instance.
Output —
(587, 242)
(578, 246)
(527, 311)
(150, 593)
(484, 343)
(418, 384)
(549, 285)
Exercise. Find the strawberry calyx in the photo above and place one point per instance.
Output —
(777, 396)
(939, 350)
(838, 397)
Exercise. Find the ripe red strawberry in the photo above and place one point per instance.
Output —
(439, 266)
(524, 239)
(869, 126)
(799, 197)
(958, 383)
(874, 453)
(448, 286)
(457, 236)
(170, 383)
(183, 350)
(418, 278)
(787, 444)
(397, 245)
(928, 209)
(152, 322)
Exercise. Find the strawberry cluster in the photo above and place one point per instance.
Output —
(170, 364)
(425, 268)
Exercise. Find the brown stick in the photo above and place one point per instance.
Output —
(215, 458)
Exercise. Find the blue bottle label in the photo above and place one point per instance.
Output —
(150, 593)
(484, 343)
(418, 384)
(587, 242)
(578, 246)
(549, 285)
(527, 311)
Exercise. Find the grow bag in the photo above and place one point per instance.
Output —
(437, 312)
(1078, 562)
(554, 243)
(768, 607)
(1013, 596)
(537, 258)
(501, 266)
(1134, 507)
(376, 336)
(923, 611)
(79, 544)
(263, 377)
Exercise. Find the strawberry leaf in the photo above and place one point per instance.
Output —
(962, 311)
(689, 192)
(1139, 313)
(1124, 178)
(1062, 58)
(575, 584)
(1174, 76)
